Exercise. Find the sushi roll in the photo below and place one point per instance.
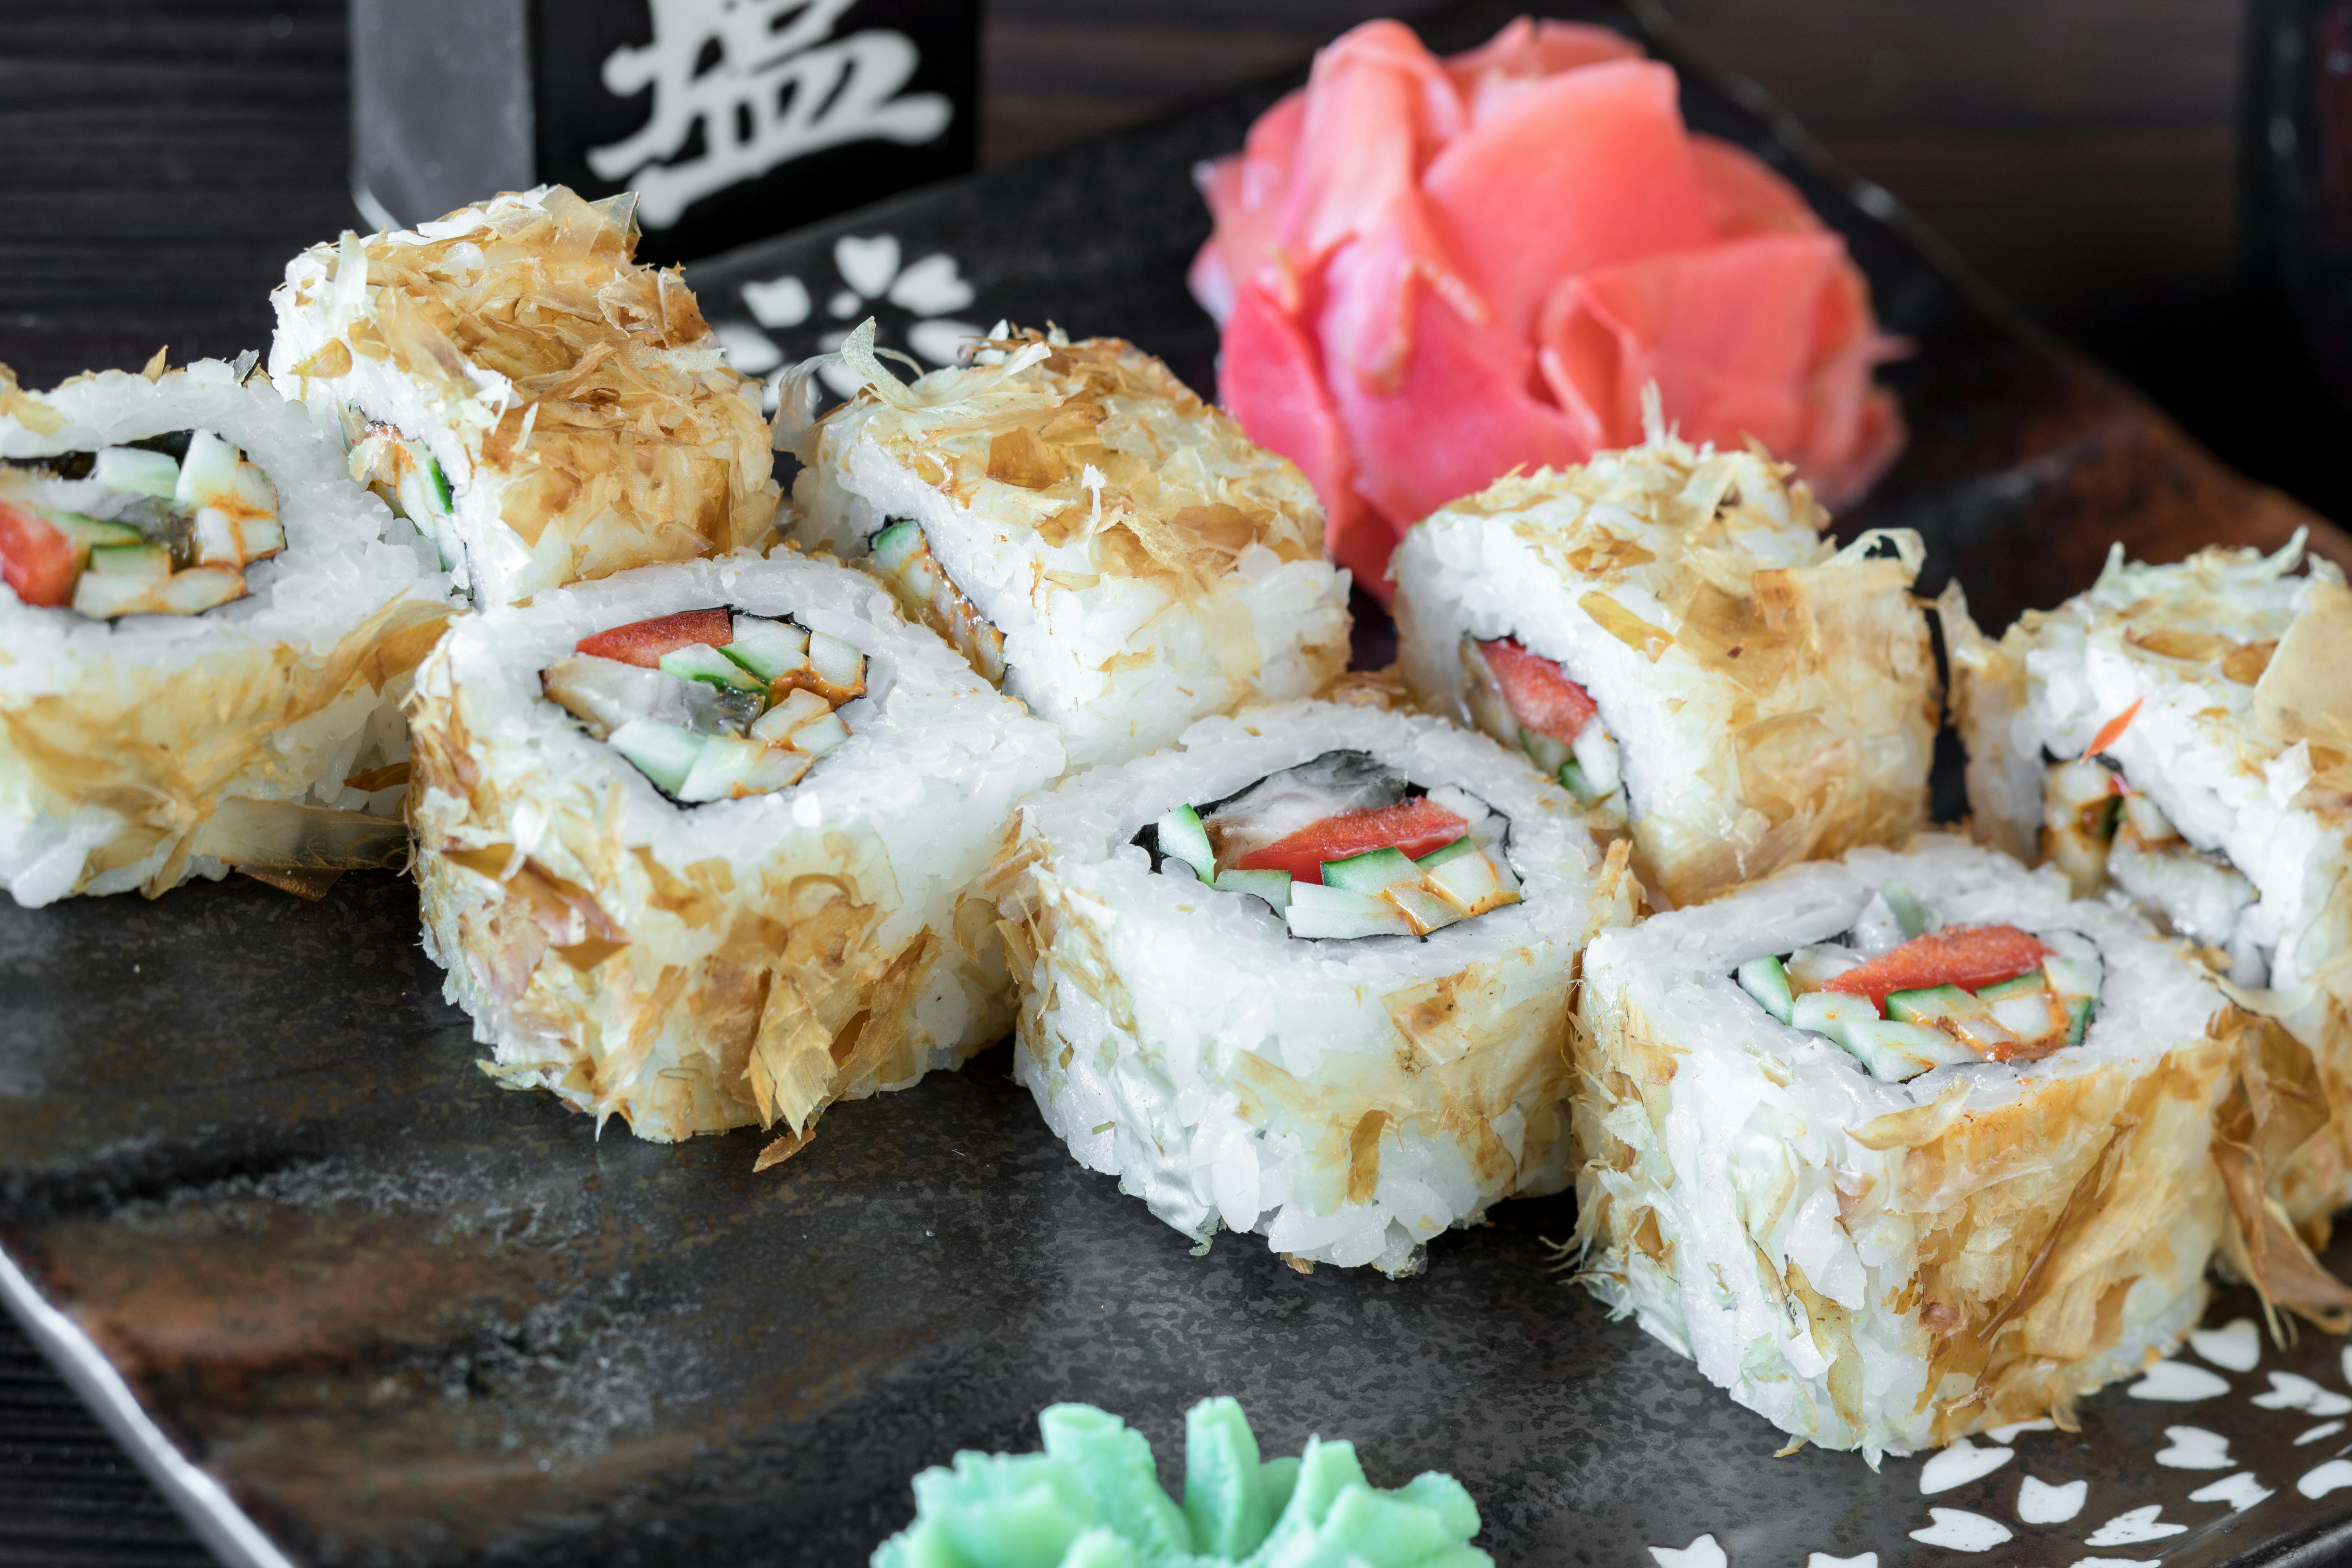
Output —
(1905, 1147)
(1307, 974)
(2183, 734)
(1096, 540)
(541, 407)
(1670, 631)
(205, 636)
(691, 840)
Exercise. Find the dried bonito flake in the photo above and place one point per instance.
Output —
(2200, 714)
(1095, 538)
(145, 749)
(1759, 695)
(1889, 1266)
(541, 407)
(746, 961)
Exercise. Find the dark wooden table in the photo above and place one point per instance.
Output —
(160, 159)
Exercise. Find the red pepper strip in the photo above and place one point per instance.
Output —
(1416, 826)
(1970, 957)
(1542, 699)
(2112, 730)
(36, 560)
(644, 642)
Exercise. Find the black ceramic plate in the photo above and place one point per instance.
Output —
(351, 1303)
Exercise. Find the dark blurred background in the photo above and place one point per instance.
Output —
(160, 159)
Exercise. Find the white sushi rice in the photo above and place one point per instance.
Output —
(2208, 747)
(637, 444)
(1772, 697)
(1826, 1246)
(1121, 661)
(119, 739)
(699, 962)
(1236, 1078)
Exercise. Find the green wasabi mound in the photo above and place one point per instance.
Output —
(1093, 1499)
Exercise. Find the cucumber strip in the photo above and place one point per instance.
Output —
(441, 490)
(767, 649)
(1425, 909)
(140, 472)
(836, 663)
(1329, 913)
(2030, 1015)
(89, 532)
(663, 753)
(799, 707)
(207, 474)
(197, 589)
(1767, 980)
(2071, 973)
(1454, 851)
(1182, 838)
(1907, 910)
(1469, 882)
(1371, 872)
(2078, 1020)
(1894, 1051)
(1549, 754)
(1273, 887)
(819, 736)
(701, 661)
(2030, 983)
(1829, 1013)
(1572, 780)
(216, 535)
(144, 563)
(725, 763)
(1597, 759)
(895, 543)
(1931, 1001)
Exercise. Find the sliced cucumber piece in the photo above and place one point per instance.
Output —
(819, 736)
(1371, 872)
(87, 532)
(262, 536)
(2031, 1015)
(1572, 780)
(1465, 845)
(1549, 754)
(2078, 1018)
(1329, 912)
(2030, 983)
(895, 543)
(1811, 968)
(198, 589)
(255, 496)
(798, 708)
(1470, 883)
(207, 474)
(767, 649)
(1182, 838)
(1273, 887)
(140, 563)
(441, 490)
(1894, 1051)
(1767, 980)
(1929, 1003)
(2074, 965)
(836, 663)
(1425, 909)
(1908, 912)
(663, 753)
(725, 765)
(141, 472)
(1983, 1033)
(1829, 1013)
(216, 538)
(701, 661)
(1597, 759)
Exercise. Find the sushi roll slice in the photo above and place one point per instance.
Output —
(1096, 540)
(1905, 1147)
(691, 840)
(1308, 975)
(1669, 629)
(2183, 734)
(205, 636)
(541, 407)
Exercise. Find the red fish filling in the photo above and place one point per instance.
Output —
(1970, 957)
(1415, 826)
(1541, 698)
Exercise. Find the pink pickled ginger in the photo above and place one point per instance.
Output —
(1433, 272)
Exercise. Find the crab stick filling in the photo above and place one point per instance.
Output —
(1341, 848)
(1522, 698)
(164, 527)
(1903, 999)
(711, 704)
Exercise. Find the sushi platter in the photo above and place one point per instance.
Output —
(1590, 903)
